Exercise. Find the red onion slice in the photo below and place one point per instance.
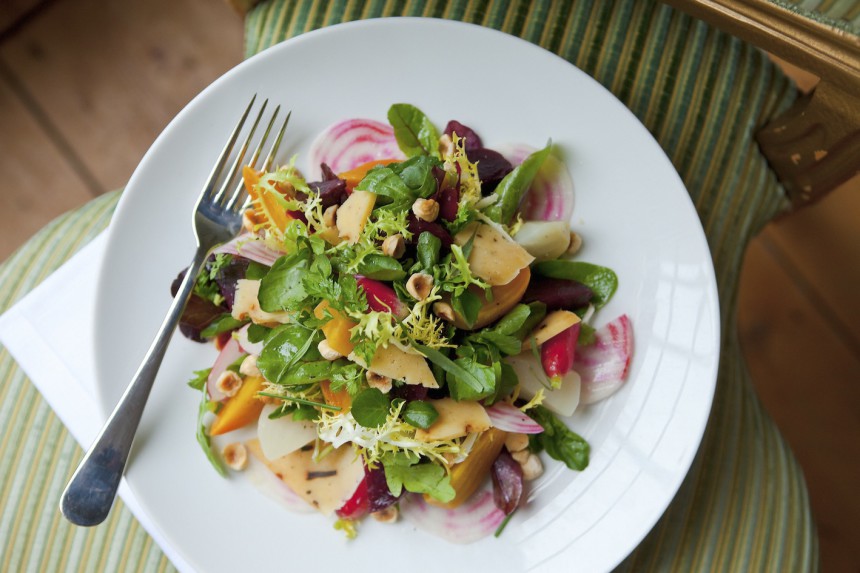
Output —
(229, 354)
(477, 518)
(604, 365)
(550, 198)
(509, 418)
(246, 345)
(250, 248)
(350, 143)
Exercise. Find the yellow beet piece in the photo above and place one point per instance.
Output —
(337, 329)
(505, 297)
(354, 176)
(471, 472)
(241, 409)
(341, 398)
(264, 204)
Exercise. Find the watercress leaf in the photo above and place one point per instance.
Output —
(384, 182)
(417, 174)
(420, 414)
(513, 187)
(381, 268)
(223, 323)
(559, 441)
(199, 379)
(283, 349)
(463, 391)
(537, 312)
(403, 472)
(203, 437)
(601, 280)
(256, 271)
(506, 382)
(370, 408)
(258, 333)
(509, 345)
(428, 249)
(282, 288)
(513, 320)
(415, 133)
(468, 305)
(463, 376)
(306, 372)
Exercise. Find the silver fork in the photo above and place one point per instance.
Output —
(217, 218)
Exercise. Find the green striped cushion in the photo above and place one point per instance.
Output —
(842, 14)
(37, 454)
(701, 93)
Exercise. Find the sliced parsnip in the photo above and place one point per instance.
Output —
(456, 419)
(247, 305)
(544, 240)
(495, 258)
(325, 484)
(552, 324)
(399, 365)
(353, 214)
(532, 378)
(283, 435)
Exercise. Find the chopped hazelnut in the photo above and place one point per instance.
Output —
(394, 246)
(532, 468)
(521, 456)
(516, 442)
(575, 244)
(387, 515)
(378, 381)
(327, 351)
(235, 456)
(426, 209)
(444, 311)
(446, 145)
(249, 367)
(228, 383)
(419, 285)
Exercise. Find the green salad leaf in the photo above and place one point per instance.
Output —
(420, 414)
(370, 408)
(404, 472)
(559, 441)
(601, 280)
(415, 133)
(513, 187)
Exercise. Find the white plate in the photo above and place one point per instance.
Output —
(630, 206)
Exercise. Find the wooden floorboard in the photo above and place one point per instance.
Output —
(110, 75)
(38, 183)
(807, 377)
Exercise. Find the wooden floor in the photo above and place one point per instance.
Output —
(86, 85)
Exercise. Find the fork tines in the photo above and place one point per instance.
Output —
(238, 198)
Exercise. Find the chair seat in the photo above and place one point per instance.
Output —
(701, 93)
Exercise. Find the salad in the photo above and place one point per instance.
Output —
(404, 332)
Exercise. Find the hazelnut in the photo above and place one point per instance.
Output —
(378, 381)
(426, 209)
(516, 442)
(327, 351)
(444, 311)
(394, 246)
(532, 468)
(387, 515)
(329, 216)
(520, 456)
(574, 245)
(228, 383)
(419, 285)
(235, 456)
(249, 367)
(446, 145)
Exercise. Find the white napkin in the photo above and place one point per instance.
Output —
(49, 332)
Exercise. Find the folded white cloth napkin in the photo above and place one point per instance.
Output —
(49, 332)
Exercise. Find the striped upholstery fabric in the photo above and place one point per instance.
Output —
(843, 14)
(743, 506)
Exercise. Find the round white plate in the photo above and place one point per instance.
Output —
(630, 206)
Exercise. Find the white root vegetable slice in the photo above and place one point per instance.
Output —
(544, 240)
(550, 197)
(604, 365)
(283, 435)
(563, 401)
(477, 518)
(350, 143)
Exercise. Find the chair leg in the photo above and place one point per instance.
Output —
(814, 146)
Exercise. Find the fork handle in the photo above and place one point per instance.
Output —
(90, 493)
